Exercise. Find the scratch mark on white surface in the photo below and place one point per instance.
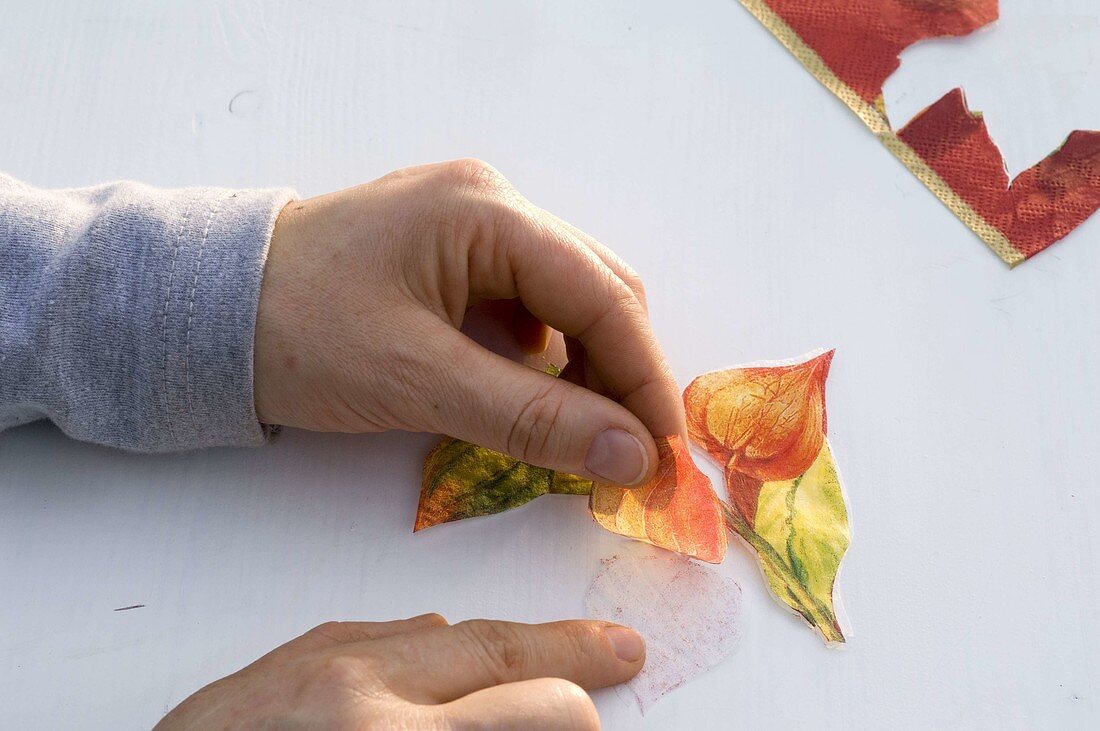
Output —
(245, 103)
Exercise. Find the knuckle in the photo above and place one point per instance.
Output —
(625, 301)
(584, 640)
(327, 629)
(336, 670)
(634, 281)
(474, 202)
(499, 647)
(581, 635)
(529, 234)
(537, 425)
(333, 631)
(624, 295)
(474, 175)
(619, 305)
(433, 619)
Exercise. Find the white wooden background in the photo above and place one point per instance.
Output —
(963, 399)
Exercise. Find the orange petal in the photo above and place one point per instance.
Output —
(676, 510)
(767, 423)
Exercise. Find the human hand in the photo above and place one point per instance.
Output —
(422, 673)
(364, 292)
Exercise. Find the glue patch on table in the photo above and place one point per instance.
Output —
(688, 614)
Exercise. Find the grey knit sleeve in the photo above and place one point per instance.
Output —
(127, 313)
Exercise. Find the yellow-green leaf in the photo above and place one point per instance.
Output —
(800, 533)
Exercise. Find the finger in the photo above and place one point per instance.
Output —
(533, 337)
(578, 370)
(331, 634)
(544, 703)
(341, 632)
(623, 270)
(445, 663)
(568, 287)
(478, 396)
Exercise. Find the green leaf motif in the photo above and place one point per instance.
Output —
(801, 533)
(463, 480)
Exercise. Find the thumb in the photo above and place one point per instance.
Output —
(535, 417)
(550, 704)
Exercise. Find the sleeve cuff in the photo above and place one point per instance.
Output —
(214, 271)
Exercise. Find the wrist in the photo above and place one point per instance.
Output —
(273, 362)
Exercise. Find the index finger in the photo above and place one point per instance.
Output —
(444, 663)
(566, 285)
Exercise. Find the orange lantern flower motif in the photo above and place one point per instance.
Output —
(765, 423)
(676, 510)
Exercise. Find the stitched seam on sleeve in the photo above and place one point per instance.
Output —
(164, 321)
(214, 209)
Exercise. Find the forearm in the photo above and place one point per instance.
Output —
(127, 314)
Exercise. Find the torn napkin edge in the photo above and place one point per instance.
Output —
(876, 119)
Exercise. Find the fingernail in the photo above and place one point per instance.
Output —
(617, 456)
(627, 644)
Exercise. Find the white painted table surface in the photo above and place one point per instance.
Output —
(963, 399)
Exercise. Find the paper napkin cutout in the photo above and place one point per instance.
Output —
(1041, 206)
(852, 46)
(766, 422)
(463, 480)
(765, 425)
(689, 616)
(859, 41)
(799, 530)
(677, 509)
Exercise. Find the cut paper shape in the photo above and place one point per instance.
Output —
(677, 509)
(852, 46)
(767, 423)
(1041, 206)
(689, 616)
(799, 530)
(759, 423)
(463, 480)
